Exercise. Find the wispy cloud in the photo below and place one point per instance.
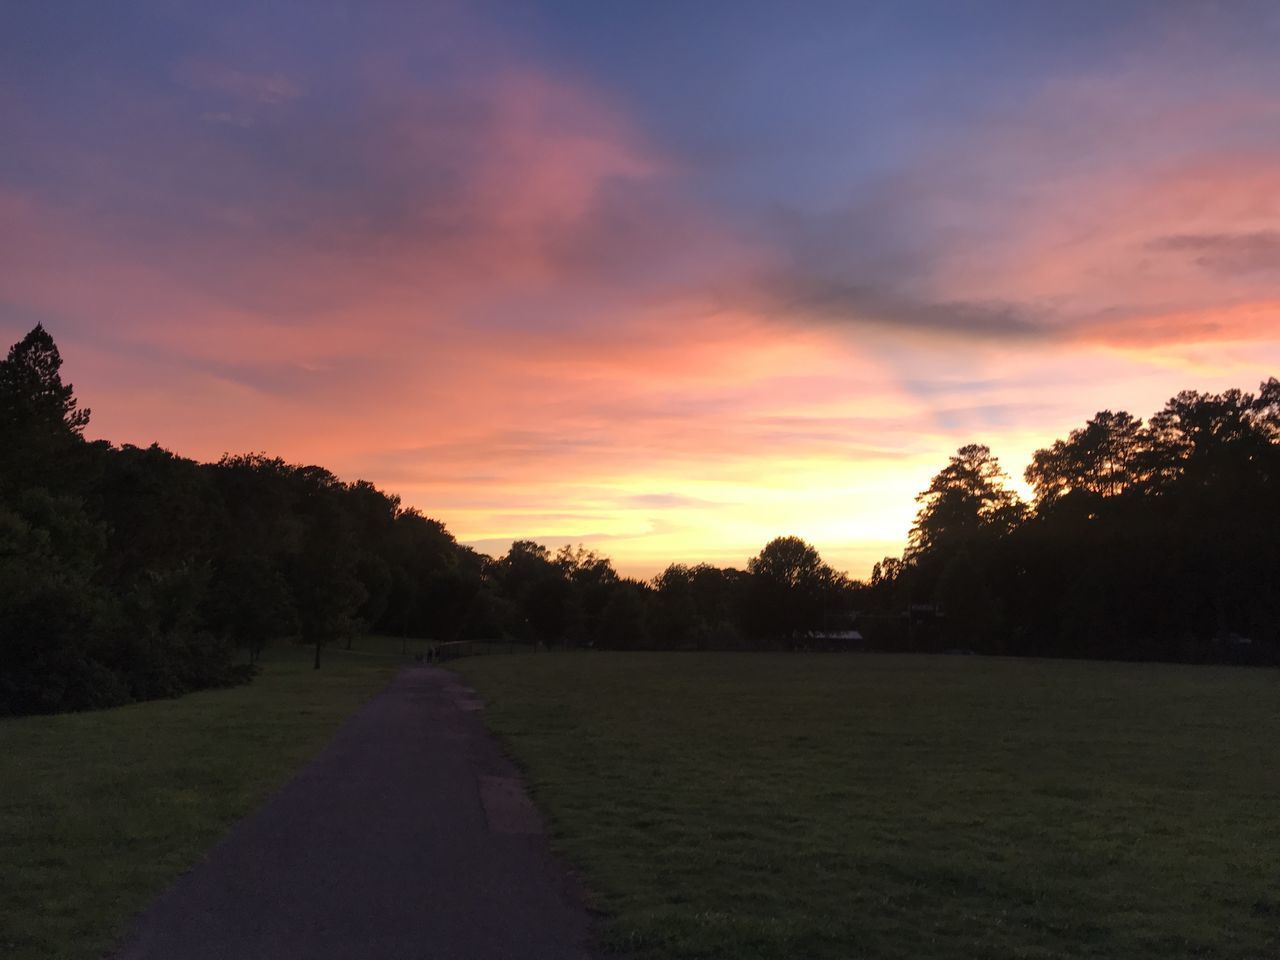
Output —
(213, 77)
(1226, 253)
(423, 253)
(832, 299)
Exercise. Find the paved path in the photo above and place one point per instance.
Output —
(408, 837)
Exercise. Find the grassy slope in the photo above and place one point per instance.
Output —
(915, 807)
(99, 811)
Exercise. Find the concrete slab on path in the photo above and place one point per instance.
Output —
(409, 838)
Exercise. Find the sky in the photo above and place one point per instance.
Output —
(666, 279)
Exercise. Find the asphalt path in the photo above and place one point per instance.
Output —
(410, 836)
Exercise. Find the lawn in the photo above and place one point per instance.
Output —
(100, 811)
(739, 805)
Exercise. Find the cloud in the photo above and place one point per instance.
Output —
(481, 281)
(668, 500)
(1100, 258)
(1135, 201)
(221, 78)
(1250, 321)
(1226, 253)
(810, 296)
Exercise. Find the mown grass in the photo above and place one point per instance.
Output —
(740, 806)
(100, 811)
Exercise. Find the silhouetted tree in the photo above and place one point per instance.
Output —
(32, 394)
(1102, 459)
(697, 607)
(594, 583)
(249, 602)
(966, 502)
(1157, 542)
(623, 623)
(128, 573)
(57, 636)
(789, 591)
(966, 604)
(40, 420)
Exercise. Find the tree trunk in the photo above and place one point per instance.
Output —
(317, 666)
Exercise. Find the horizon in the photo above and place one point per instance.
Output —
(667, 286)
(498, 548)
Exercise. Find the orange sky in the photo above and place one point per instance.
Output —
(511, 297)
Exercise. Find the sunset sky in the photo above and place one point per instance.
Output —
(667, 278)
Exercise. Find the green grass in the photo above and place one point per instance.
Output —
(742, 806)
(100, 811)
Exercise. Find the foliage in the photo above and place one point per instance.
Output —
(40, 420)
(966, 504)
(131, 573)
(1156, 541)
(698, 607)
(790, 590)
(1101, 459)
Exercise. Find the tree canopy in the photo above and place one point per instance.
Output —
(966, 501)
(128, 572)
(1158, 540)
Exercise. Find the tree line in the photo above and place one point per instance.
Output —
(1156, 540)
(131, 573)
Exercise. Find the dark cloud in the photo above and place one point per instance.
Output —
(834, 299)
(1226, 253)
(871, 261)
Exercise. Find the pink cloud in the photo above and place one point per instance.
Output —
(1110, 188)
(498, 299)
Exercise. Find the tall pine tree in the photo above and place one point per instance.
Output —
(40, 420)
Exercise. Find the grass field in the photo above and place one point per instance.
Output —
(909, 807)
(99, 811)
